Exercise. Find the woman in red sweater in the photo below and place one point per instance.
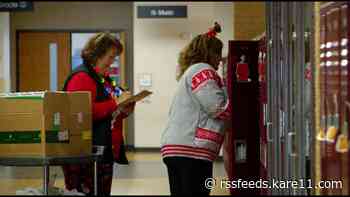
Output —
(98, 55)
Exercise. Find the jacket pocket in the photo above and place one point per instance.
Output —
(208, 139)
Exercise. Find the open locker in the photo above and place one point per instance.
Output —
(242, 140)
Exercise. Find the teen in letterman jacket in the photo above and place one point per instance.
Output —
(194, 133)
(195, 128)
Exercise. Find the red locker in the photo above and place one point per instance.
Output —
(241, 145)
(334, 81)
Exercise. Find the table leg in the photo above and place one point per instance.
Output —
(95, 178)
(46, 179)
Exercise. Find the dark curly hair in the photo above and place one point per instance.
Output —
(201, 49)
(98, 45)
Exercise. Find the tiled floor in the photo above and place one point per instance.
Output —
(145, 175)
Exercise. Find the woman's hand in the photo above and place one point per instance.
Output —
(125, 111)
(125, 95)
(223, 61)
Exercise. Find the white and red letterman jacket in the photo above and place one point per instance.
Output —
(195, 127)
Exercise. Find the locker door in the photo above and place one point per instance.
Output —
(288, 37)
(273, 108)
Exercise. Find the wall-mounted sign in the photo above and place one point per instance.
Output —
(162, 11)
(145, 79)
(6, 6)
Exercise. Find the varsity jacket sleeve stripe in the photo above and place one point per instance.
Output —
(208, 89)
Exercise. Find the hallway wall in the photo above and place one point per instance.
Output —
(4, 52)
(152, 38)
(157, 43)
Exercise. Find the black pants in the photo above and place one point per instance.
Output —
(187, 176)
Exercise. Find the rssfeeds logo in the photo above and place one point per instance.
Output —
(210, 183)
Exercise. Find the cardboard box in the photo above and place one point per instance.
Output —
(40, 124)
(80, 116)
(80, 112)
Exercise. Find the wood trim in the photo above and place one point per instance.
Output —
(2, 85)
(122, 60)
(17, 60)
(317, 157)
(122, 71)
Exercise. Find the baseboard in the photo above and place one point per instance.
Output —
(129, 147)
(142, 149)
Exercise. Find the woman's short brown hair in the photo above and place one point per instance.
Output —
(98, 45)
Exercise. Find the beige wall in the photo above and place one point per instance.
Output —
(4, 52)
(157, 43)
(77, 16)
(249, 20)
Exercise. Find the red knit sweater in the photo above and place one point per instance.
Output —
(83, 82)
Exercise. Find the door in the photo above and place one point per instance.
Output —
(43, 60)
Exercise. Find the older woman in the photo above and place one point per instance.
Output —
(98, 55)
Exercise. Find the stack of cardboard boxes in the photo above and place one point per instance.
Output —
(45, 123)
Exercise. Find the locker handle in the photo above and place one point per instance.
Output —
(265, 114)
(291, 148)
(268, 129)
